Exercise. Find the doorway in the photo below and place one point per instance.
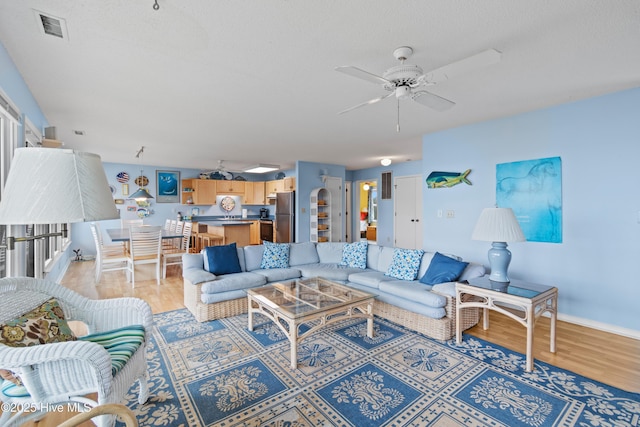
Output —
(368, 210)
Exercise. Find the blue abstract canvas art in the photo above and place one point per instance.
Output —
(168, 184)
(533, 189)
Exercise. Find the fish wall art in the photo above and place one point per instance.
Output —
(447, 179)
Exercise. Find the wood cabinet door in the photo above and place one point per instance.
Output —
(289, 184)
(254, 193)
(233, 187)
(205, 192)
(276, 186)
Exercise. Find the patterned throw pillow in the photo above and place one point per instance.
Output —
(275, 255)
(355, 255)
(43, 325)
(405, 263)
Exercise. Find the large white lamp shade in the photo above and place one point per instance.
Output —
(498, 225)
(52, 186)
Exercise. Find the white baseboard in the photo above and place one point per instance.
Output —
(618, 330)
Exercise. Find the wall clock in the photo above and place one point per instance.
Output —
(227, 204)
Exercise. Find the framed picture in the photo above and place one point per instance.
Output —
(168, 186)
(125, 189)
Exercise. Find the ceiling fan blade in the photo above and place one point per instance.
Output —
(431, 100)
(373, 101)
(473, 62)
(362, 74)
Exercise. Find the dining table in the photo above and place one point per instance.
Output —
(124, 235)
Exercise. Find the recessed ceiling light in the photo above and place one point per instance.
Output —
(262, 168)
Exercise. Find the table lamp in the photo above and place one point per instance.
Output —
(498, 225)
(54, 186)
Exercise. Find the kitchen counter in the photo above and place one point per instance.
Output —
(236, 230)
(227, 222)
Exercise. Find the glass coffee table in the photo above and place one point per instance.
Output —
(316, 301)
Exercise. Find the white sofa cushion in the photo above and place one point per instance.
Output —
(278, 274)
(371, 279)
(233, 282)
(330, 253)
(331, 271)
(413, 291)
(303, 253)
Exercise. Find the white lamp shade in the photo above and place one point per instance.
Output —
(498, 225)
(51, 186)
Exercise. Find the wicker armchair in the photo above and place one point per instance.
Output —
(64, 372)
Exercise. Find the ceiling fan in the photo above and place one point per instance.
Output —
(408, 81)
(220, 171)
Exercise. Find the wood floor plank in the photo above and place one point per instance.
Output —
(605, 357)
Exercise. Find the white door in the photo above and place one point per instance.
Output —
(408, 212)
(334, 186)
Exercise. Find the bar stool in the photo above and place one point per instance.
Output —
(209, 239)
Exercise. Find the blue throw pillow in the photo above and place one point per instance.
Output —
(443, 269)
(355, 255)
(223, 259)
(405, 263)
(275, 255)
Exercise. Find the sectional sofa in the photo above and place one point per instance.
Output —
(413, 288)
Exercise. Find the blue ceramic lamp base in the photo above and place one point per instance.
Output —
(499, 259)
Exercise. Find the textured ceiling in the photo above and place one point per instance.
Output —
(250, 81)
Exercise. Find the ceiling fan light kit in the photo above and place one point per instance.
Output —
(407, 81)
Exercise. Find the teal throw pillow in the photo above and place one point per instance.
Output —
(405, 264)
(355, 255)
(223, 259)
(443, 269)
(275, 255)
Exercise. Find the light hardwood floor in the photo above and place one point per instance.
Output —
(609, 358)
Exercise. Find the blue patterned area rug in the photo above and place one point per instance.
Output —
(220, 374)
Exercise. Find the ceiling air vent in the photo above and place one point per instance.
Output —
(51, 25)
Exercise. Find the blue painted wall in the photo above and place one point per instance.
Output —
(14, 86)
(595, 266)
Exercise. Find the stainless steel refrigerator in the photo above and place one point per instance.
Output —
(285, 217)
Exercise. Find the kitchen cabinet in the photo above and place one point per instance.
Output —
(187, 192)
(254, 232)
(281, 185)
(254, 193)
(230, 187)
(275, 186)
(289, 184)
(198, 191)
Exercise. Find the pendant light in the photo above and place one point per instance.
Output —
(141, 194)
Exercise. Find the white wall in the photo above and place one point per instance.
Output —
(596, 266)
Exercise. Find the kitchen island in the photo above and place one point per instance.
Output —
(231, 230)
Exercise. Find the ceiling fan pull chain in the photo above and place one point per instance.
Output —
(156, 6)
(398, 122)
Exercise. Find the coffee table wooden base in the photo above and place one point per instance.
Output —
(362, 309)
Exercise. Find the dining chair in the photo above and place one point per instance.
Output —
(173, 256)
(145, 248)
(108, 257)
(126, 223)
